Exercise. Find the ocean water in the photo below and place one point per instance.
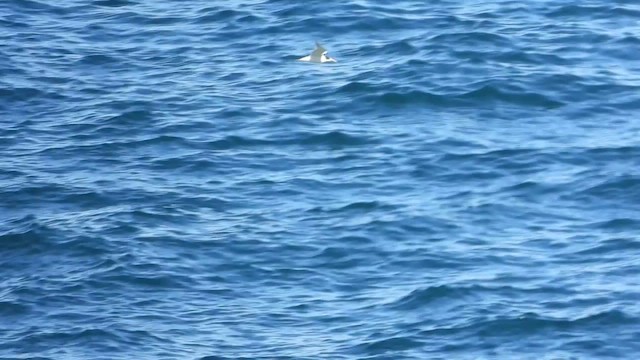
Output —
(464, 183)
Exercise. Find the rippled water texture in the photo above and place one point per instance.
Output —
(463, 184)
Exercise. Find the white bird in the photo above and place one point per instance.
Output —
(319, 55)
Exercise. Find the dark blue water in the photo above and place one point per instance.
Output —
(463, 184)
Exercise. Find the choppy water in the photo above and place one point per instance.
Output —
(463, 184)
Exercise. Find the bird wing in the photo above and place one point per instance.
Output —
(318, 51)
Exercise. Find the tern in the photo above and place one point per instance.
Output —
(319, 55)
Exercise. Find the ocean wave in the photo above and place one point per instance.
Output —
(331, 139)
(588, 11)
(114, 3)
(97, 59)
(482, 96)
(23, 234)
(530, 323)
(214, 15)
(414, 97)
(475, 38)
(391, 344)
(425, 297)
(21, 94)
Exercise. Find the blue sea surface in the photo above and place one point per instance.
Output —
(464, 183)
